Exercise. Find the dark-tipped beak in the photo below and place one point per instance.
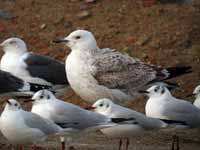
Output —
(143, 92)
(29, 100)
(60, 41)
(190, 95)
(90, 108)
(8, 102)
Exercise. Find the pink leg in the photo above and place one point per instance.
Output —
(62, 145)
(21, 147)
(35, 147)
(62, 140)
(127, 143)
(120, 144)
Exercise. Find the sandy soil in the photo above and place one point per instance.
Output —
(164, 34)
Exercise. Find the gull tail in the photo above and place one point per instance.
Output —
(174, 122)
(37, 87)
(176, 71)
(30, 88)
(124, 120)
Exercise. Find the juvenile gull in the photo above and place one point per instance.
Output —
(125, 131)
(32, 67)
(13, 86)
(161, 104)
(22, 127)
(72, 118)
(95, 73)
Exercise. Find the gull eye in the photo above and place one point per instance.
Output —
(41, 96)
(156, 89)
(16, 104)
(163, 91)
(12, 42)
(101, 105)
(77, 37)
(48, 97)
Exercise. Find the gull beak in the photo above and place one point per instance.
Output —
(30, 100)
(8, 102)
(143, 92)
(1, 44)
(190, 95)
(60, 41)
(90, 108)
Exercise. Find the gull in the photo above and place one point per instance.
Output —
(161, 104)
(125, 131)
(72, 118)
(95, 73)
(196, 92)
(32, 67)
(13, 86)
(22, 127)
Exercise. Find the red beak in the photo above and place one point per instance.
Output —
(90, 108)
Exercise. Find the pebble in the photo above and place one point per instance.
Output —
(90, 1)
(67, 25)
(43, 26)
(84, 14)
(5, 15)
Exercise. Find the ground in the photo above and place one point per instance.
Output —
(163, 34)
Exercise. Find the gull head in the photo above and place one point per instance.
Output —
(13, 105)
(79, 40)
(43, 95)
(102, 105)
(196, 91)
(14, 45)
(157, 91)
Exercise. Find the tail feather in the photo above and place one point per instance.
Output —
(36, 87)
(123, 120)
(176, 122)
(177, 71)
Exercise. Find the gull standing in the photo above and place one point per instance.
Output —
(95, 73)
(196, 92)
(125, 131)
(22, 127)
(70, 117)
(161, 104)
(32, 67)
(13, 86)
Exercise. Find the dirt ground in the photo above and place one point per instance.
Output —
(163, 34)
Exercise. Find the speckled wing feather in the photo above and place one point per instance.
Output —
(118, 71)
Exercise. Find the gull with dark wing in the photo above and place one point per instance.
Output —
(72, 118)
(95, 73)
(11, 85)
(32, 67)
(22, 127)
(125, 131)
(161, 104)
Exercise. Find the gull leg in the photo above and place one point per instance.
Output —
(177, 142)
(35, 147)
(21, 147)
(2, 146)
(120, 144)
(127, 143)
(173, 141)
(62, 140)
